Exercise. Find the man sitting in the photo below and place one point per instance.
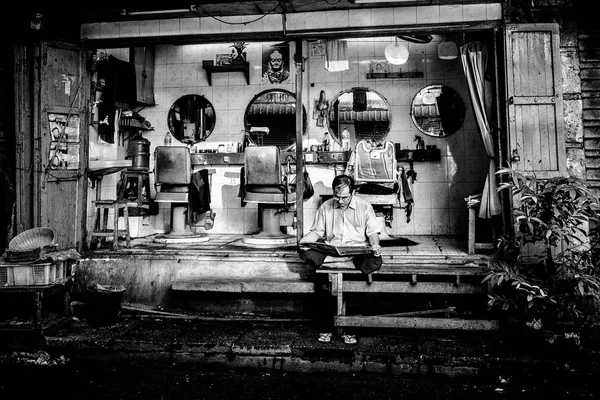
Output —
(344, 220)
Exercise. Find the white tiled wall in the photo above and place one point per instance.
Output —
(440, 187)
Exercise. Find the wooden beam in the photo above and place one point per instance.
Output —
(409, 287)
(417, 323)
(249, 286)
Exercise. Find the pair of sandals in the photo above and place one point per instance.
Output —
(326, 338)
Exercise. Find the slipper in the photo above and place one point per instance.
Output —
(349, 339)
(325, 337)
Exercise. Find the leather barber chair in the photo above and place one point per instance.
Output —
(266, 182)
(173, 174)
(379, 181)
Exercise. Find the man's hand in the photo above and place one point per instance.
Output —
(376, 250)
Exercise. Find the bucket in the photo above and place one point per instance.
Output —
(138, 151)
(104, 303)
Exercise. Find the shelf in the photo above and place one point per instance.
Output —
(210, 69)
(395, 75)
(418, 154)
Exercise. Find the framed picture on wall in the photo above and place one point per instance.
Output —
(276, 64)
(223, 59)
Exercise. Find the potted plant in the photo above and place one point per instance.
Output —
(557, 288)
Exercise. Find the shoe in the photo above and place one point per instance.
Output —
(325, 337)
(349, 339)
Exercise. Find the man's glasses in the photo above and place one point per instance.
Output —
(276, 59)
(340, 198)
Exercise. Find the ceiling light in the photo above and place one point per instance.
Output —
(447, 50)
(396, 53)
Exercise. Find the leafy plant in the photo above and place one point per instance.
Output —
(561, 283)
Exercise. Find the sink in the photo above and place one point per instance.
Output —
(99, 168)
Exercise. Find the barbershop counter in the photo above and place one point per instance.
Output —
(316, 157)
(312, 157)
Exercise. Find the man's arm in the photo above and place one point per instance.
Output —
(374, 242)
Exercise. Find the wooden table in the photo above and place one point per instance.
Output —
(37, 294)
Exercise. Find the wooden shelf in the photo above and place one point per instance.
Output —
(210, 69)
(395, 75)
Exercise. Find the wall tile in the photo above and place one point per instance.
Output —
(338, 19)
(190, 53)
(493, 11)
(316, 20)
(189, 26)
(382, 16)
(109, 30)
(189, 75)
(209, 25)
(174, 54)
(358, 18)
(174, 73)
(149, 28)
(405, 15)
(231, 24)
(130, 29)
(428, 15)
(451, 13)
(474, 12)
(90, 31)
(169, 26)
(272, 23)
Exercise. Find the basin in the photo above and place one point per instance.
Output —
(99, 168)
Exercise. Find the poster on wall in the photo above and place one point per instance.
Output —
(276, 64)
(64, 143)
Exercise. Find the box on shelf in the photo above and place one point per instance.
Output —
(12, 274)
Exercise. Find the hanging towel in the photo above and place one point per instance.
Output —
(199, 198)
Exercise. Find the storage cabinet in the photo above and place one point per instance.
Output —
(143, 60)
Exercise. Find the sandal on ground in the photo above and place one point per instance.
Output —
(349, 339)
(325, 337)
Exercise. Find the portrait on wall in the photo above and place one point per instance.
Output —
(275, 60)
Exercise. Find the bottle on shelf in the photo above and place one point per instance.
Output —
(345, 140)
(168, 139)
(326, 142)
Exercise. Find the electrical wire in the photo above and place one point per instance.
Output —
(239, 23)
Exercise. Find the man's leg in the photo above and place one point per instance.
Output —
(367, 263)
(313, 257)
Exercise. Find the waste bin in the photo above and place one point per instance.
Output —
(104, 304)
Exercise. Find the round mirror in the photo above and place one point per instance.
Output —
(270, 118)
(360, 112)
(438, 111)
(191, 118)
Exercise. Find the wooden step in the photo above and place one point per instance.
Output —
(244, 286)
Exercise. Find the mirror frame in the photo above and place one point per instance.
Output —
(335, 135)
(258, 96)
(453, 106)
(196, 98)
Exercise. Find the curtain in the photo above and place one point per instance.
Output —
(474, 60)
(335, 55)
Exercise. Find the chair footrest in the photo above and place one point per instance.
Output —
(109, 232)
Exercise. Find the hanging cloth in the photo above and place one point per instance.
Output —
(474, 60)
(335, 55)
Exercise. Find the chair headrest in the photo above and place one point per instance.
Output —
(173, 165)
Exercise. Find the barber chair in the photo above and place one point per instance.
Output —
(266, 182)
(377, 180)
(173, 173)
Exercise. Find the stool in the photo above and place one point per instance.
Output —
(100, 225)
(141, 181)
(473, 203)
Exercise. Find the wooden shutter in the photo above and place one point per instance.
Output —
(534, 92)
